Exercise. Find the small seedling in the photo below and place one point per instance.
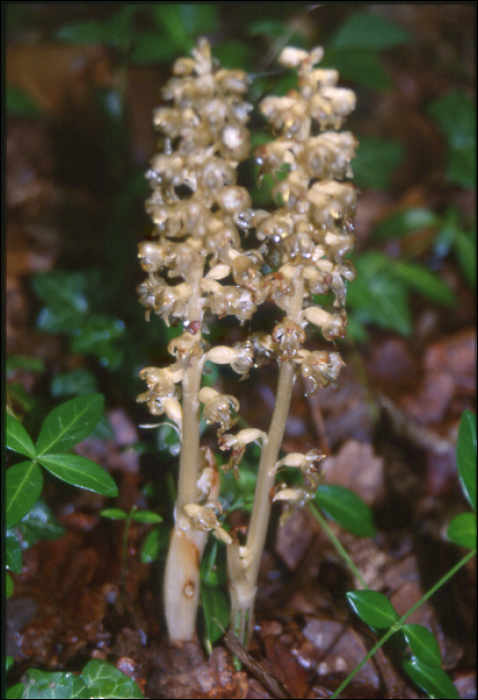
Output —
(143, 516)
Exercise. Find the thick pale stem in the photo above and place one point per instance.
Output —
(181, 580)
(244, 573)
(190, 456)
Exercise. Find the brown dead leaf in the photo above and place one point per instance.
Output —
(181, 671)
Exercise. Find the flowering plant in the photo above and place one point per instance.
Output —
(200, 267)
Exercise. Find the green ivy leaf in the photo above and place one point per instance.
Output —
(18, 439)
(70, 423)
(425, 282)
(80, 471)
(39, 524)
(434, 681)
(423, 644)
(366, 31)
(24, 485)
(346, 508)
(216, 609)
(14, 556)
(154, 544)
(42, 684)
(376, 161)
(406, 221)
(105, 681)
(373, 608)
(466, 456)
(74, 383)
(462, 530)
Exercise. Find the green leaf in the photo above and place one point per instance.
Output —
(361, 66)
(120, 30)
(366, 31)
(376, 161)
(83, 33)
(18, 394)
(216, 609)
(377, 296)
(465, 248)
(70, 423)
(150, 48)
(426, 282)
(74, 383)
(94, 335)
(20, 103)
(147, 516)
(113, 514)
(15, 692)
(168, 439)
(41, 684)
(184, 22)
(64, 296)
(105, 681)
(80, 471)
(8, 663)
(232, 53)
(466, 456)
(233, 489)
(18, 439)
(39, 524)
(208, 563)
(462, 530)
(423, 644)
(271, 28)
(373, 608)
(154, 544)
(346, 508)
(9, 585)
(213, 564)
(406, 221)
(28, 364)
(456, 116)
(24, 485)
(435, 682)
(14, 557)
